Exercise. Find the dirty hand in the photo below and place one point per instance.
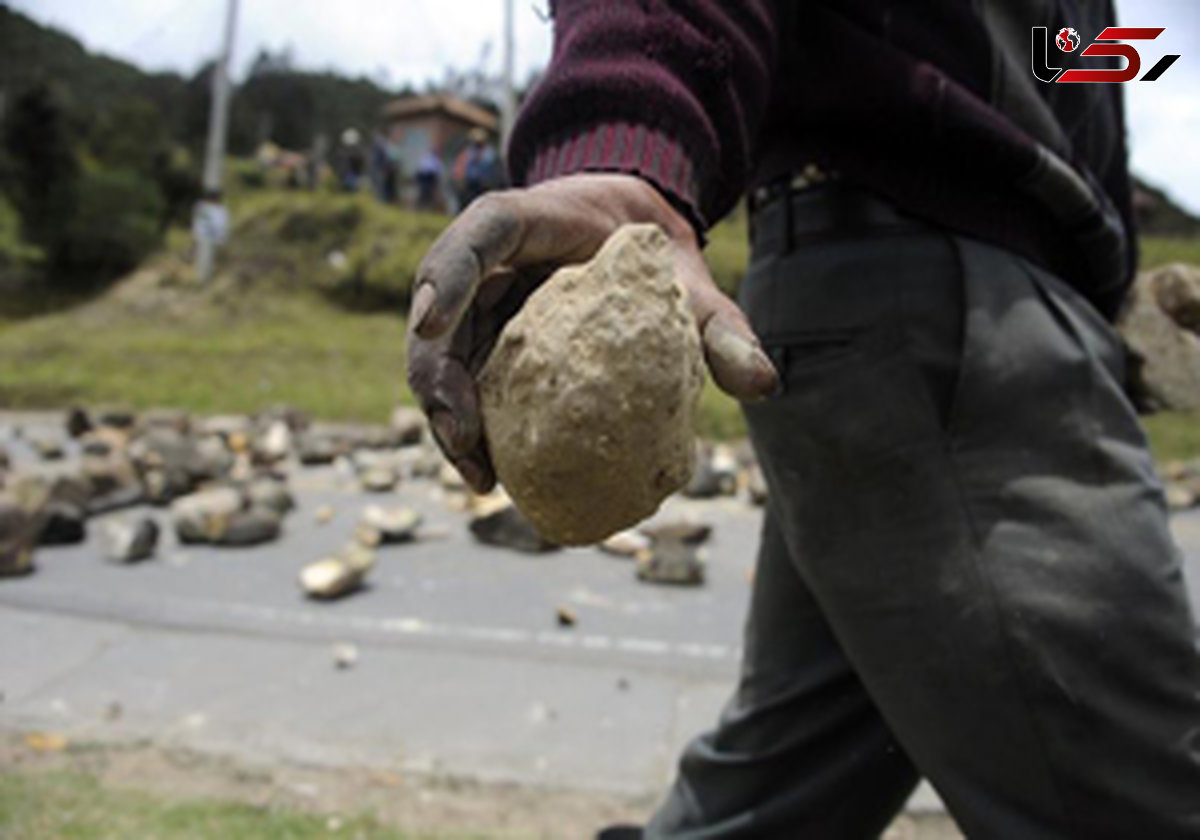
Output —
(490, 259)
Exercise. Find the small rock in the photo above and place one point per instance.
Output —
(504, 526)
(449, 478)
(345, 655)
(296, 419)
(245, 527)
(671, 562)
(338, 575)
(715, 473)
(63, 523)
(680, 530)
(78, 422)
(274, 444)
(269, 493)
(427, 463)
(317, 450)
(192, 515)
(408, 424)
(323, 514)
(225, 425)
(625, 543)
(117, 418)
(130, 542)
(18, 531)
(48, 447)
(1180, 496)
(174, 419)
(756, 486)
(566, 617)
(5, 459)
(394, 525)
(368, 536)
(379, 478)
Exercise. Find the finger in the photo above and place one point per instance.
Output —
(487, 234)
(476, 470)
(733, 353)
(561, 221)
(446, 392)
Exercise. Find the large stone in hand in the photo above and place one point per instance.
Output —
(588, 396)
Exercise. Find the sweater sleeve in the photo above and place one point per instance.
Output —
(671, 90)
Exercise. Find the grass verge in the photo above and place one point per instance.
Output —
(62, 805)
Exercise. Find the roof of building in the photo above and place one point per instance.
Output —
(419, 106)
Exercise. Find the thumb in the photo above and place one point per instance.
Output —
(732, 350)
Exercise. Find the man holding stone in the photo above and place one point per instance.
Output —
(965, 570)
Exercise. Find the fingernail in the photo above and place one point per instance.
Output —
(767, 374)
(471, 473)
(422, 302)
(445, 429)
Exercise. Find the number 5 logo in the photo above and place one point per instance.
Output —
(1106, 45)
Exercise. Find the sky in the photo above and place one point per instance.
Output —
(399, 41)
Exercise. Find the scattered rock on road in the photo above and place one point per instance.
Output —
(47, 446)
(18, 530)
(192, 516)
(501, 524)
(78, 422)
(715, 473)
(756, 486)
(251, 526)
(338, 575)
(62, 523)
(130, 541)
(345, 655)
(673, 562)
(566, 617)
(626, 543)
(394, 525)
(687, 531)
(408, 425)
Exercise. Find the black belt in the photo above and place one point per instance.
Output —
(785, 213)
(810, 177)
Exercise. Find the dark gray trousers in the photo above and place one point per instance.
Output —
(965, 570)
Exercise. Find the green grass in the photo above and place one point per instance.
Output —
(1174, 436)
(67, 806)
(300, 351)
(1160, 250)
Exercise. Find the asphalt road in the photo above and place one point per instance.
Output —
(462, 667)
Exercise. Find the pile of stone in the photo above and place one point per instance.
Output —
(224, 478)
(1161, 328)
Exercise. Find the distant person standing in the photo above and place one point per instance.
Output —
(353, 160)
(477, 168)
(429, 179)
(210, 227)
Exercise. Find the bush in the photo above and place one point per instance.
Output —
(113, 225)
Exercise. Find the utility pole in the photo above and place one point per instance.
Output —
(508, 100)
(211, 226)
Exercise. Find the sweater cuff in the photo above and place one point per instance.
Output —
(624, 147)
